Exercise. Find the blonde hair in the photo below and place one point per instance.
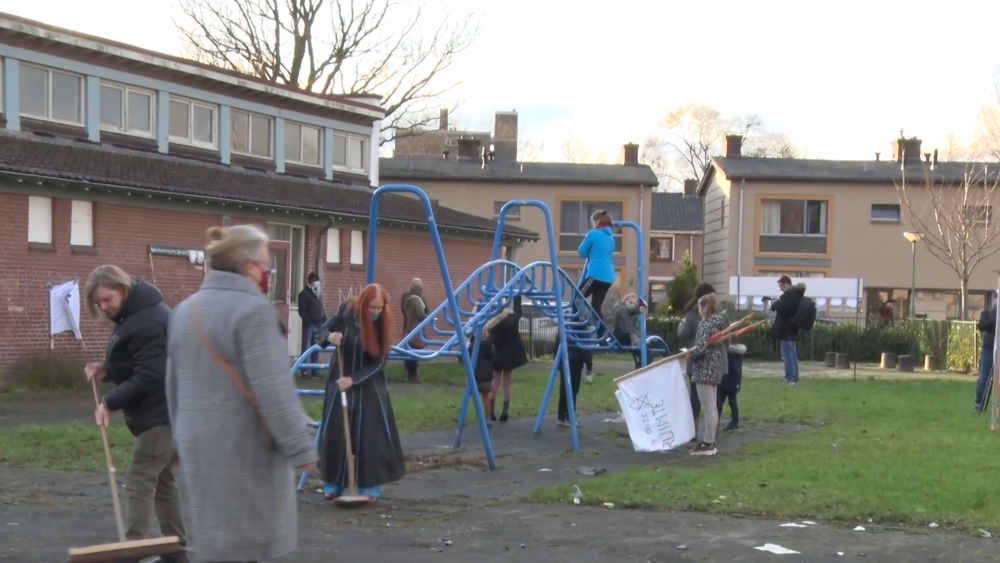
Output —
(107, 276)
(229, 248)
(708, 305)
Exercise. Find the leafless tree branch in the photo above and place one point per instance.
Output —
(576, 150)
(336, 47)
(955, 219)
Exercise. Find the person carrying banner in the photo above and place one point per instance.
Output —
(686, 332)
(709, 364)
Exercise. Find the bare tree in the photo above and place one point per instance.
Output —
(576, 150)
(690, 135)
(336, 47)
(951, 149)
(529, 147)
(954, 217)
(986, 139)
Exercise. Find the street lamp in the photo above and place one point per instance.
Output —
(914, 238)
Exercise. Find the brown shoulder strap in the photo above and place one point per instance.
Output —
(219, 359)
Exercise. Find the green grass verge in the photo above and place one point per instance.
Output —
(907, 452)
(432, 405)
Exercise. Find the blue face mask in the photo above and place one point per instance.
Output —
(374, 316)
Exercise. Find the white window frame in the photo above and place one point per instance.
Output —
(250, 115)
(40, 211)
(81, 232)
(190, 140)
(357, 248)
(319, 152)
(673, 247)
(347, 153)
(48, 95)
(333, 246)
(514, 213)
(125, 91)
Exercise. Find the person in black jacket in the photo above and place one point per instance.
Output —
(483, 371)
(313, 316)
(136, 362)
(504, 332)
(987, 327)
(784, 330)
(578, 357)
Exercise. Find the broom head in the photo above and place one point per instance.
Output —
(351, 501)
(138, 549)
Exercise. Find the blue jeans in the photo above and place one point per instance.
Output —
(985, 371)
(790, 356)
(308, 339)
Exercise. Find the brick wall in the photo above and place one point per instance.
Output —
(122, 235)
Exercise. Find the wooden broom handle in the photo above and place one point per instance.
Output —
(351, 483)
(112, 478)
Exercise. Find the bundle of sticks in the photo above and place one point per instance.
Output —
(735, 330)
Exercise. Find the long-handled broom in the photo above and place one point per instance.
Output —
(122, 550)
(352, 498)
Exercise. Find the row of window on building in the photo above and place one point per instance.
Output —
(59, 96)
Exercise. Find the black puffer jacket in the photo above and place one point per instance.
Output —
(988, 327)
(136, 360)
(784, 309)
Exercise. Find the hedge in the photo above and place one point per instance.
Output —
(956, 343)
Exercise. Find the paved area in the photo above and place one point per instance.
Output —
(450, 508)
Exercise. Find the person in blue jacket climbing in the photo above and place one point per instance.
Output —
(597, 248)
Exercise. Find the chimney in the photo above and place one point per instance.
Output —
(934, 158)
(927, 157)
(468, 149)
(878, 156)
(443, 120)
(630, 154)
(734, 146)
(690, 187)
(445, 154)
(505, 136)
(908, 148)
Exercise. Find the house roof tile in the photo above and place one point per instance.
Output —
(677, 212)
(434, 168)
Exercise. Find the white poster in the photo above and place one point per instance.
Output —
(64, 309)
(656, 405)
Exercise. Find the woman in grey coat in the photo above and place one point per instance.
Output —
(239, 426)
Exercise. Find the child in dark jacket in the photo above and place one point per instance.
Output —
(731, 382)
(483, 370)
(577, 359)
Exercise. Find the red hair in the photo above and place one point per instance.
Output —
(376, 340)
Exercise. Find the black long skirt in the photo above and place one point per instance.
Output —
(375, 441)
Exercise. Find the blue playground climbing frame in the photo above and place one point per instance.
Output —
(491, 288)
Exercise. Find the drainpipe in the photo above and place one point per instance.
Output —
(642, 227)
(739, 246)
(319, 244)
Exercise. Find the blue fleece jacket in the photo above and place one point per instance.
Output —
(598, 247)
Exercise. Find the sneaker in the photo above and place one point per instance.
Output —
(589, 378)
(733, 426)
(704, 449)
(565, 423)
(786, 382)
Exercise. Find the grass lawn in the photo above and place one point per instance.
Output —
(432, 405)
(904, 452)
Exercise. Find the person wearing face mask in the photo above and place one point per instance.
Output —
(362, 329)
(313, 316)
(239, 426)
(136, 362)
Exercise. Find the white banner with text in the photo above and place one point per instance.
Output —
(656, 405)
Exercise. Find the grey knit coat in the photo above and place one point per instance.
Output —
(240, 492)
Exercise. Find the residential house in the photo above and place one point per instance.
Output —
(834, 218)
(114, 154)
(480, 181)
(675, 228)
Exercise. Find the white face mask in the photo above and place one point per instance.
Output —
(316, 286)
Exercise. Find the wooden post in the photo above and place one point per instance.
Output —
(931, 363)
(842, 361)
(888, 360)
(831, 359)
(904, 363)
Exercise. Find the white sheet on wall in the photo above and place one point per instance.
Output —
(64, 309)
(656, 406)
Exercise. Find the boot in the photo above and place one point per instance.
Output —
(493, 409)
(504, 414)
(412, 377)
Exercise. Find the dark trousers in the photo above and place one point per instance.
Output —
(625, 339)
(734, 409)
(985, 373)
(411, 368)
(575, 372)
(597, 291)
(308, 339)
(695, 401)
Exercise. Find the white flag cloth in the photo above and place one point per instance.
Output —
(656, 405)
(64, 309)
